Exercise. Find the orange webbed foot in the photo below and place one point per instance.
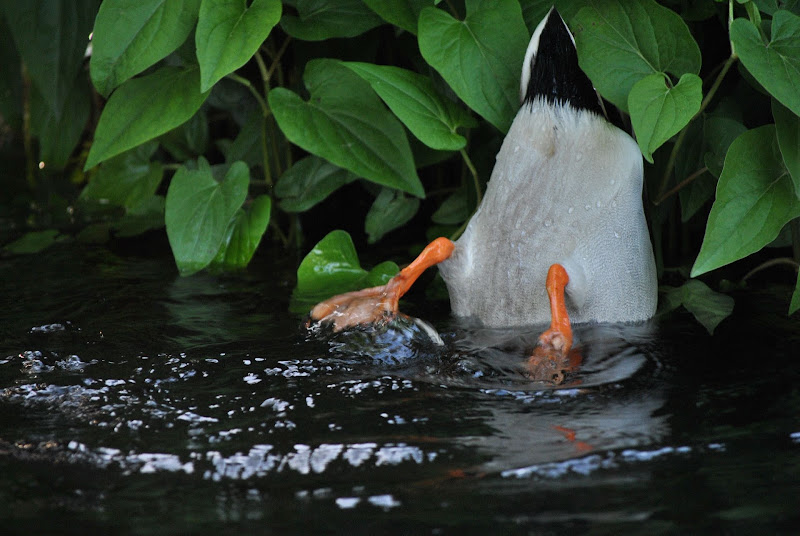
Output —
(552, 358)
(378, 304)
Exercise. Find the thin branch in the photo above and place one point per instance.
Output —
(246, 83)
(474, 172)
(685, 182)
(781, 261)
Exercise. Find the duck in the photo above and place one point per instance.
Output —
(560, 235)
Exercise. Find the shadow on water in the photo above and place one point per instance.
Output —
(135, 401)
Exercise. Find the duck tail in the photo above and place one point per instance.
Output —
(550, 71)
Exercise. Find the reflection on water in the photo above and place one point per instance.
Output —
(121, 383)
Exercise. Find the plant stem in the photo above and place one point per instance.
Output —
(679, 141)
(277, 60)
(474, 172)
(685, 182)
(785, 261)
(246, 83)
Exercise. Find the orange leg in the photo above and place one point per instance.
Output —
(377, 303)
(552, 355)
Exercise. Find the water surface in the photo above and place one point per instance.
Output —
(136, 401)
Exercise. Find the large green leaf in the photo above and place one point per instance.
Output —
(347, 124)
(708, 307)
(317, 20)
(131, 35)
(480, 57)
(620, 42)
(787, 126)
(127, 180)
(199, 210)
(59, 135)
(144, 108)
(412, 97)
(720, 131)
(755, 199)
(245, 233)
(659, 111)
(308, 182)
(331, 268)
(402, 13)
(229, 33)
(390, 210)
(52, 38)
(775, 65)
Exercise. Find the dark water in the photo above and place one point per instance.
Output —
(135, 401)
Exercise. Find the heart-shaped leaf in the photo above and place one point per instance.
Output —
(245, 232)
(775, 65)
(308, 182)
(131, 35)
(390, 210)
(199, 210)
(787, 126)
(127, 180)
(412, 97)
(620, 42)
(755, 199)
(144, 108)
(480, 57)
(317, 20)
(401, 13)
(331, 268)
(229, 33)
(658, 112)
(347, 124)
(708, 307)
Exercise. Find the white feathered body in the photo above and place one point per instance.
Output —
(567, 189)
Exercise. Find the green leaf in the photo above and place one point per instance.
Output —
(127, 180)
(308, 182)
(390, 210)
(33, 242)
(332, 268)
(621, 42)
(131, 35)
(708, 307)
(453, 210)
(229, 34)
(755, 199)
(787, 126)
(317, 20)
(246, 230)
(59, 135)
(401, 13)
(346, 123)
(795, 304)
(480, 57)
(412, 97)
(52, 38)
(199, 210)
(144, 108)
(658, 111)
(775, 65)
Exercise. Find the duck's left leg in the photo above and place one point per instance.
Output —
(552, 357)
(376, 304)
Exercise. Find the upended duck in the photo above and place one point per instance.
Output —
(560, 235)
